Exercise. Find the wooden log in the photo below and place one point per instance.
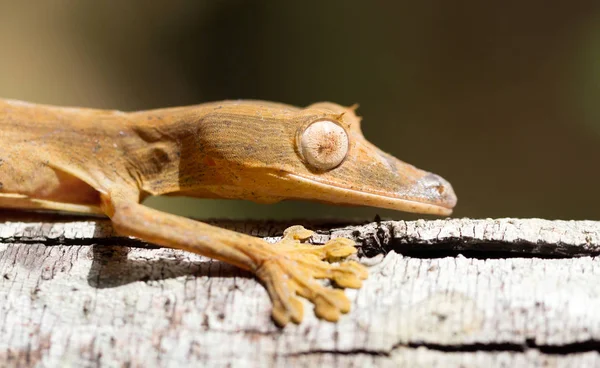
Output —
(440, 293)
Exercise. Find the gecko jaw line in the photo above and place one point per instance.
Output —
(378, 200)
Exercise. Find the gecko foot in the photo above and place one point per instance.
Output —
(293, 269)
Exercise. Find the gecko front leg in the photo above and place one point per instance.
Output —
(287, 269)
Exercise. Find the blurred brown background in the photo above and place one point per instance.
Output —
(502, 99)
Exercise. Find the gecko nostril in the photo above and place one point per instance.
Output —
(440, 189)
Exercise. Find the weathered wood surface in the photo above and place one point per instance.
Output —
(462, 292)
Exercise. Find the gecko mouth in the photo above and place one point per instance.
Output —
(340, 195)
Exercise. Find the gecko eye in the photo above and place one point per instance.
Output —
(324, 144)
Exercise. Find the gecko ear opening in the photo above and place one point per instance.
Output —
(323, 145)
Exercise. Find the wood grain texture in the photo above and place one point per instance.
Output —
(454, 292)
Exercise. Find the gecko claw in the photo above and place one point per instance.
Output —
(293, 269)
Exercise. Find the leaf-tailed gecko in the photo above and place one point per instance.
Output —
(107, 162)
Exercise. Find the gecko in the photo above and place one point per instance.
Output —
(95, 161)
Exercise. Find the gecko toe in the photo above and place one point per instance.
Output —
(339, 248)
(331, 305)
(297, 233)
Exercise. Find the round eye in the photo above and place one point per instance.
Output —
(324, 144)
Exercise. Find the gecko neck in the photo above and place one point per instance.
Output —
(166, 137)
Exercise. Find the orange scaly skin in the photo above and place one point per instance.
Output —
(107, 162)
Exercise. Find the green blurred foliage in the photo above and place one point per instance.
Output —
(502, 99)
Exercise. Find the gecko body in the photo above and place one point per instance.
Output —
(107, 162)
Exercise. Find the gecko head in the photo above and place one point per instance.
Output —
(319, 153)
(341, 166)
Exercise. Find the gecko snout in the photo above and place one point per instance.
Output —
(437, 190)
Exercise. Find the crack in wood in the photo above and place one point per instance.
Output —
(529, 344)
